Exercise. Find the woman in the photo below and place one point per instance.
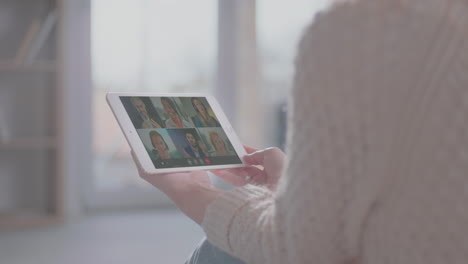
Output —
(203, 118)
(161, 149)
(175, 120)
(378, 152)
(218, 143)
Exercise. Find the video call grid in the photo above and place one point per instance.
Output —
(181, 131)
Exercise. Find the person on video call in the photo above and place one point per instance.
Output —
(161, 149)
(219, 145)
(195, 149)
(175, 120)
(146, 121)
(202, 118)
(377, 166)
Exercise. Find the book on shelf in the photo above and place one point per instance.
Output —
(35, 39)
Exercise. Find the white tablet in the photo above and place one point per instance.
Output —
(177, 132)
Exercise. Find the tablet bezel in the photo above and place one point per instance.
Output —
(139, 149)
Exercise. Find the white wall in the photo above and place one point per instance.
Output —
(77, 102)
(238, 70)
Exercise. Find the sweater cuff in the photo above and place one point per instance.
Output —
(220, 213)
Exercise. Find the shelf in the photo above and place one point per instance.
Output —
(31, 165)
(29, 143)
(28, 219)
(40, 66)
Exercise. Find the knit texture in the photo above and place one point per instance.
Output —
(378, 146)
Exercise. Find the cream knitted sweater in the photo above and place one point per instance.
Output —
(378, 151)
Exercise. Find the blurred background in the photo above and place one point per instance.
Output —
(69, 191)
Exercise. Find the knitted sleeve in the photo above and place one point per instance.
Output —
(377, 144)
(302, 221)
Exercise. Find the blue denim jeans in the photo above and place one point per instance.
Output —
(206, 253)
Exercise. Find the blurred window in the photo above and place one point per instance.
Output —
(144, 46)
(170, 46)
(279, 28)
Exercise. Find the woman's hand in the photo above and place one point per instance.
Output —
(190, 191)
(266, 167)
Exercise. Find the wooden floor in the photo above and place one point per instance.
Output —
(133, 237)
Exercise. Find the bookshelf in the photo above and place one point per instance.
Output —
(42, 66)
(31, 149)
(29, 143)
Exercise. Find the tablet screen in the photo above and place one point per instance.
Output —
(180, 131)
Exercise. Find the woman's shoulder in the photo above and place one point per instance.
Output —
(169, 123)
(187, 123)
(196, 121)
(213, 119)
(196, 118)
(154, 155)
(175, 155)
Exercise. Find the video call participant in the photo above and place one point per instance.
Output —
(219, 145)
(146, 121)
(195, 149)
(203, 118)
(175, 120)
(161, 149)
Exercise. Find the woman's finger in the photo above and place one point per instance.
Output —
(242, 176)
(255, 158)
(134, 158)
(234, 176)
(255, 175)
(249, 149)
(138, 164)
(258, 157)
(253, 171)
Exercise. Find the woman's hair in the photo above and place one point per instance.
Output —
(170, 102)
(155, 133)
(193, 104)
(213, 134)
(134, 99)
